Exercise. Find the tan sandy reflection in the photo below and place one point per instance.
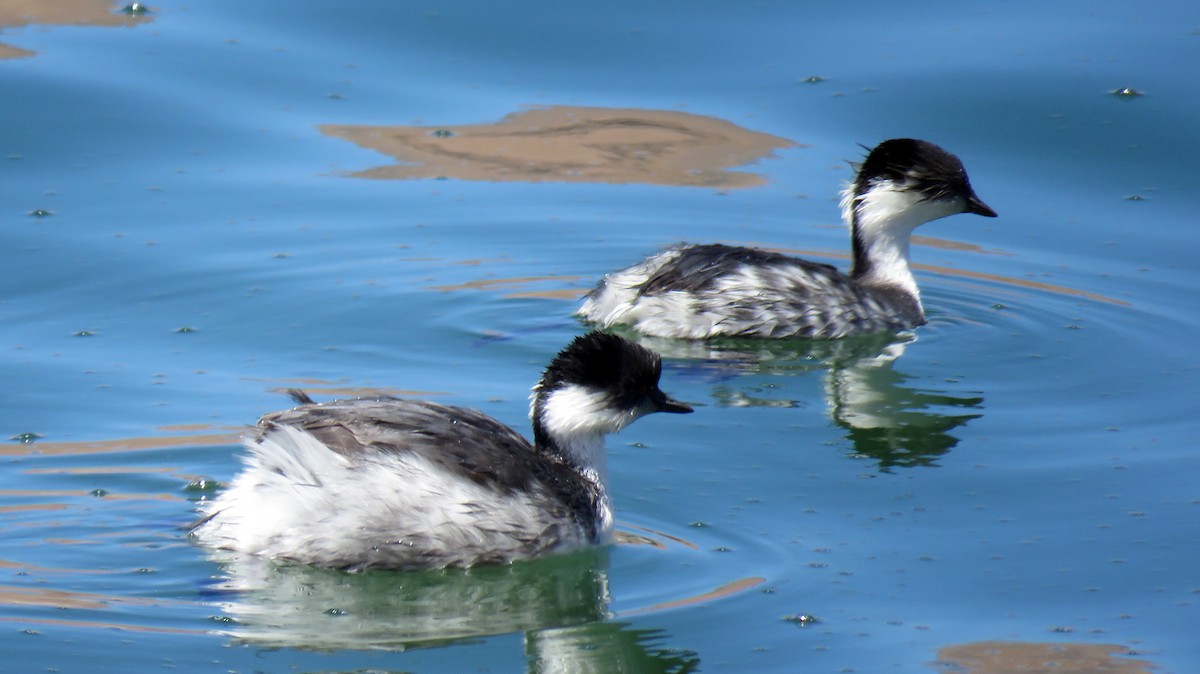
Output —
(322, 387)
(357, 392)
(41, 596)
(68, 493)
(576, 293)
(107, 627)
(649, 537)
(27, 567)
(1015, 657)
(121, 444)
(494, 283)
(572, 144)
(18, 13)
(726, 590)
(517, 284)
(194, 435)
(68, 600)
(947, 244)
(33, 507)
(102, 470)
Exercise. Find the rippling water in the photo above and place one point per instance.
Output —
(211, 202)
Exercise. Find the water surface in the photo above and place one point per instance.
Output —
(190, 229)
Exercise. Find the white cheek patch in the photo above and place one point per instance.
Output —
(579, 410)
(578, 418)
(888, 208)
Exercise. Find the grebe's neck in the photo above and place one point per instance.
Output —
(882, 219)
(570, 423)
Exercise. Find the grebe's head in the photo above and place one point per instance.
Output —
(904, 183)
(599, 383)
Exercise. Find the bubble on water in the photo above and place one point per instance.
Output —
(201, 485)
(802, 619)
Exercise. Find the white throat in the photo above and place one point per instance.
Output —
(883, 219)
(577, 418)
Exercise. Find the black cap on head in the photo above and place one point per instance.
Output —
(600, 360)
(922, 166)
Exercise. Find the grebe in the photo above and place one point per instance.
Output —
(407, 484)
(714, 290)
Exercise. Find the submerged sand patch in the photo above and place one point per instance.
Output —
(572, 144)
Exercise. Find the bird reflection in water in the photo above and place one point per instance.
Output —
(885, 419)
(894, 424)
(560, 604)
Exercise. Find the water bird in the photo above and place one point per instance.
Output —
(715, 290)
(408, 484)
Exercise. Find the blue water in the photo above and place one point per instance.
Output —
(1022, 469)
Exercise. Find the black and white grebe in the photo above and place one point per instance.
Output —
(408, 484)
(714, 290)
